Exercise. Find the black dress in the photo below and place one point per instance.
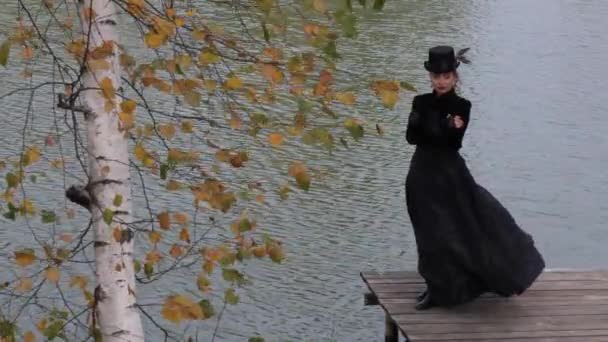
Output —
(468, 243)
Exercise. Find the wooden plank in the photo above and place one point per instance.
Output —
(374, 277)
(561, 306)
(408, 298)
(599, 336)
(489, 312)
(553, 286)
(517, 324)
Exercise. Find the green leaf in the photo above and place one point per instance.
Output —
(117, 200)
(11, 180)
(207, 307)
(379, 4)
(259, 119)
(349, 5)
(256, 339)
(33, 178)
(54, 329)
(192, 98)
(136, 266)
(108, 215)
(363, 3)
(228, 260)
(11, 215)
(245, 225)
(231, 297)
(344, 142)
(407, 86)
(48, 216)
(164, 168)
(355, 129)
(148, 270)
(266, 33)
(331, 50)
(347, 22)
(7, 330)
(5, 50)
(233, 276)
(265, 5)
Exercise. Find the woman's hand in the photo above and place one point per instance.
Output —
(458, 122)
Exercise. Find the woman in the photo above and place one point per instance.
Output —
(468, 243)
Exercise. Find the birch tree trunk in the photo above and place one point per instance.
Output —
(109, 188)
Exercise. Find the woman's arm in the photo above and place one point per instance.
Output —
(458, 123)
(413, 131)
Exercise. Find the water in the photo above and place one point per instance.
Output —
(537, 141)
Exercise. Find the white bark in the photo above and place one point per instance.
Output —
(117, 316)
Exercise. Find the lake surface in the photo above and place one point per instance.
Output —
(538, 141)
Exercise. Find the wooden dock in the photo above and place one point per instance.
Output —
(561, 306)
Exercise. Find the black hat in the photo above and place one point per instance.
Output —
(441, 59)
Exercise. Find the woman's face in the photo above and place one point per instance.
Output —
(442, 83)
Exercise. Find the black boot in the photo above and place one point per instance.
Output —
(421, 295)
(425, 303)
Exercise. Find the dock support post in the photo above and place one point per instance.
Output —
(391, 333)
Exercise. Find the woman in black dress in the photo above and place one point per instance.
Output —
(468, 243)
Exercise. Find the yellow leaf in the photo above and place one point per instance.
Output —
(272, 74)
(25, 257)
(389, 98)
(180, 22)
(346, 98)
(27, 52)
(107, 88)
(259, 251)
(167, 131)
(153, 257)
(210, 84)
(187, 127)
(208, 266)
(117, 234)
(52, 274)
(29, 337)
(173, 185)
(79, 281)
(184, 61)
(32, 155)
(154, 40)
(127, 119)
(140, 152)
(57, 163)
(199, 34)
(67, 238)
(184, 235)
(179, 307)
(164, 220)
(181, 218)
(192, 98)
(155, 236)
(128, 106)
(176, 251)
(273, 53)
(24, 285)
(208, 57)
(233, 83)
(275, 139)
(98, 64)
(41, 325)
(300, 173)
(170, 12)
(319, 6)
(203, 283)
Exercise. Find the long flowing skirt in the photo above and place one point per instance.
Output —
(468, 243)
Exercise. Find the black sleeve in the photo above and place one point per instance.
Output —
(455, 135)
(413, 132)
